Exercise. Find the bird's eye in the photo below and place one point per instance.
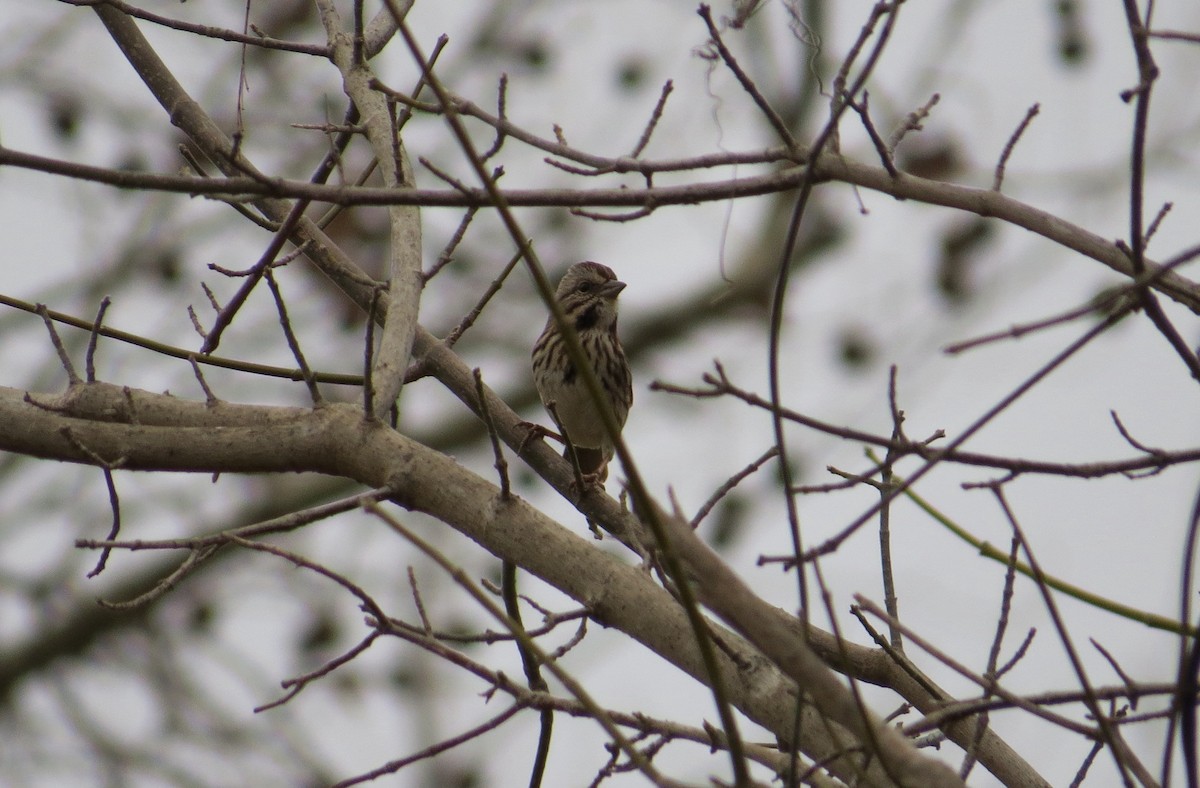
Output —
(585, 287)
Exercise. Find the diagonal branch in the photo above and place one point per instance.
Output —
(404, 259)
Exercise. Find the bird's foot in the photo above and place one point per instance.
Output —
(585, 483)
(534, 432)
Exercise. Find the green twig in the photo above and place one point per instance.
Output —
(989, 550)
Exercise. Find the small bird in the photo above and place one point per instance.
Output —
(587, 296)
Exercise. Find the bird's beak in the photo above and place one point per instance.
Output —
(612, 289)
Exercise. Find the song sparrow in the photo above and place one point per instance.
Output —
(587, 295)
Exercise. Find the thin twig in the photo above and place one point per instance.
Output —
(1112, 661)
(369, 356)
(195, 320)
(1030, 114)
(1188, 670)
(1019, 654)
(239, 132)
(193, 560)
(230, 199)
(829, 134)
(1156, 453)
(397, 153)
(418, 602)
(529, 660)
(1020, 330)
(114, 500)
(730, 483)
(991, 672)
(885, 156)
(447, 255)
(368, 602)
(913, 121)
(209, 398)
(500, 464)
(887, 480)
(391, 767)
(1174, 35)
(114, 530)
(209, 294)
(63, 357)
(296, 685)
(275, 525)
(558, 147)
(850, 480)
(1081, 773)
(570, 643)
(90, 357)
(488, 636)
(209, 31)
(493, 288)
(1157, 220)
(747, 84)
(444, 176)
(177, 352)
(502, 114)
(628, 216)
(292, 341)
(226, 315)
(899, 657)
(655, 117)
(421, 84)
(330, 128)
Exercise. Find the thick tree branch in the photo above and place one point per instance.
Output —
(172, 434)
(404, 258)
(159, 432)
